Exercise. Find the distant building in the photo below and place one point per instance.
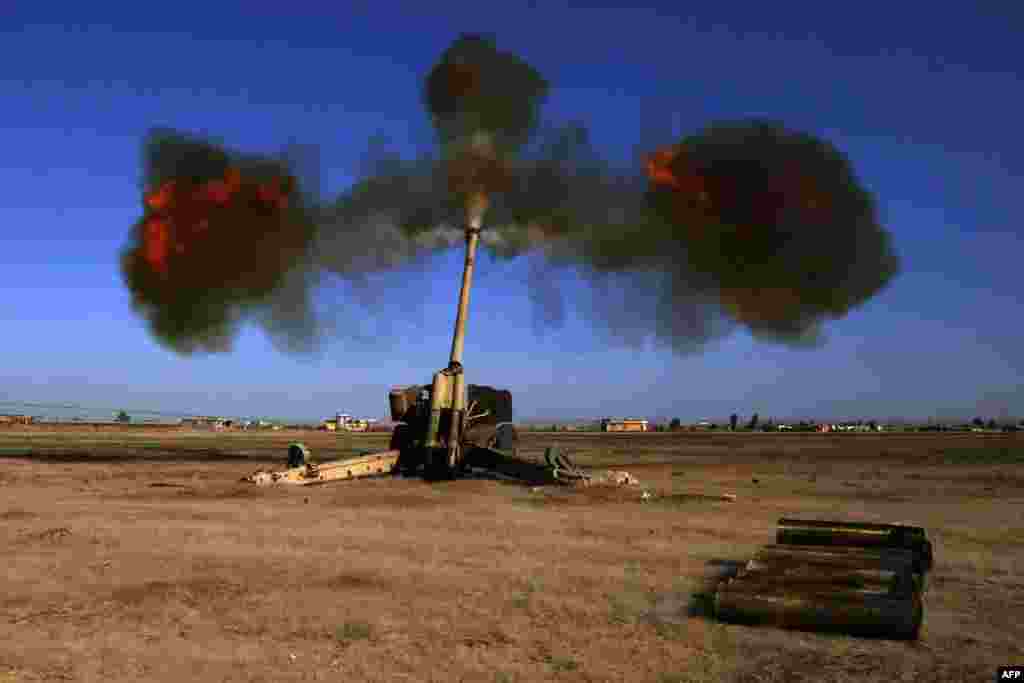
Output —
(16, 419)
(624, 425)
(206, 422)
(329, 425)
(849, 427)
(347, 423)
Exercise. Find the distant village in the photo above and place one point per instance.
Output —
(755, 424)
(344, 422)
(340, 422)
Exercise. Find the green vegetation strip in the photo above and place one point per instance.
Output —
(980, 456)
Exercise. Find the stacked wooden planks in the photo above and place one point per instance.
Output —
(861, 579)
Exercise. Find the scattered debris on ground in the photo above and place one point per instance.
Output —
(54, 534)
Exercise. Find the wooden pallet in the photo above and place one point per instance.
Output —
(859, 579)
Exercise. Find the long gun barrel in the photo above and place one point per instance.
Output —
(475, 210)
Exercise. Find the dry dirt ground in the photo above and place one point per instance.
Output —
(139, 556)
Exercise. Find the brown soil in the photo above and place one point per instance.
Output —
(139, 556)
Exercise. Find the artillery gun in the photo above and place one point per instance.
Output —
(445, 428)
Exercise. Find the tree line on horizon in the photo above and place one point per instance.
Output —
(755, 424)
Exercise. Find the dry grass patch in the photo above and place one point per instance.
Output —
(351, 631)
(393, 579)
(523, 598)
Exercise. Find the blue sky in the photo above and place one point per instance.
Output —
(926, 102)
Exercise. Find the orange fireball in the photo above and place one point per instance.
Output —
(658, 167)
(268, 193)
(181, 216)
(233, 178)
(220, 190)
(160, 198)
(275, 192)
(664, 169)
(156, 241)
(216, 191)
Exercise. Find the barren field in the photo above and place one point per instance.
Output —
(135, 556)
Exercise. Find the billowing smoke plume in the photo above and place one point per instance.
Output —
(742, 223)
(775, 220)
(475, 87)
(227, 238)
(484, 105)
(223, 238)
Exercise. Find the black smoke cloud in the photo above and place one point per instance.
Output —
(224, 238)
(220, 265)
(661, 266)
(745, 223)
(475, 87)
(778, 223)
(780, 239)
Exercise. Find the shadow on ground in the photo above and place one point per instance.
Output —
(702, 599)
